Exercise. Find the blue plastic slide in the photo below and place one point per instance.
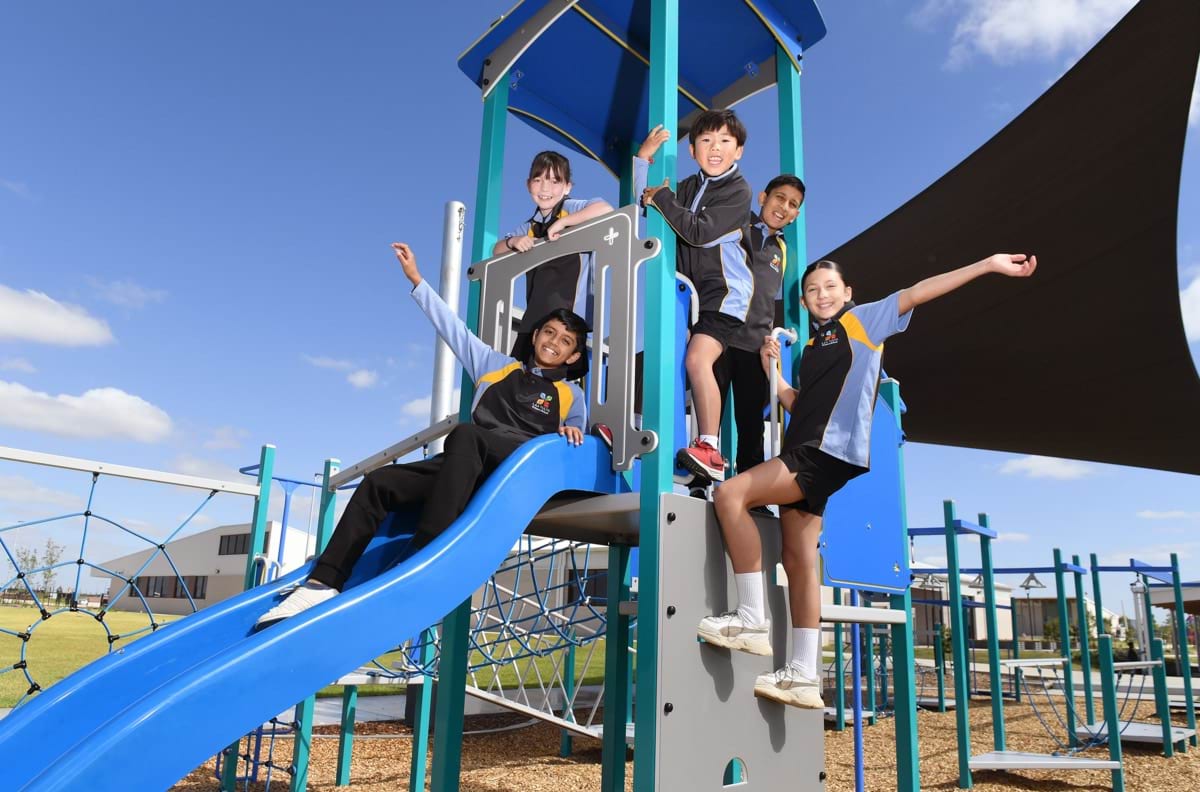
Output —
(145, 716)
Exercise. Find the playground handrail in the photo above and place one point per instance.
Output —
(393, 452)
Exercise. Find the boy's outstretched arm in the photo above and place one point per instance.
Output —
(477, 357)
(1014, 265)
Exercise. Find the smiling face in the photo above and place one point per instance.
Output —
(781, 206)
(547, 189)
(716, 151)
(824, 294)
(554, 345)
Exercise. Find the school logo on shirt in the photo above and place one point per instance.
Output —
(828, 337)
(542, 404)
(776, 262)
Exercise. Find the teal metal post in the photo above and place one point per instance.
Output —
(1064, 634)
(1151, 627)
(564, 744)
(1016, 652)
(958, 648)
(993, 637)
(1112, 719)
(452, 664)
(617, 677)
(258, 529)
(839, 668)
(791, 160)
(1161, 705)
(908, 776)
(1182, 654)
(304, 710)
(883, 673)
(729, 436)
(658, 401)
(1085, 651)
(346, 738)
(421, 716)
(869, 640)
(939, 662)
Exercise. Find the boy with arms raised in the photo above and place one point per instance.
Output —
(708, 213)
(515, 401)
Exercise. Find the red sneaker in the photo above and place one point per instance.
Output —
(703, 460)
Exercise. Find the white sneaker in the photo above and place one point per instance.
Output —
(788, 686)
(730, 631)
(300, 600)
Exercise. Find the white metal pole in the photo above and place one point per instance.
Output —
(444, 368)
(778, 333)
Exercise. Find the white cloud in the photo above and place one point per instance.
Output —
(1047, 467)
(362, 378)
(19, 189)
(1174, 514)
(1156, 554)
(99, 412)
(1189, 304)
(226, 438)
(329, 363)
(1007, 31)
(206, 468)
(34, 316)
(16, 364)
(127, 294)
(18, 489)
(419, 408)
(1012, 536)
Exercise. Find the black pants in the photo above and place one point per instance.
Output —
(744, 371)
(443, 485)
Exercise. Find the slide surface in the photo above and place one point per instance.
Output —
(145, 716)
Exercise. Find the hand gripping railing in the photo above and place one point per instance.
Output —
(777, 334)
(617, 251)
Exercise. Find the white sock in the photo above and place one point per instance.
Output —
(712, 440)
(750, 597)
(806, 645)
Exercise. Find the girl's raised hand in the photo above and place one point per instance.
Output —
(1014, 265)
(653, 142)
(408, 262)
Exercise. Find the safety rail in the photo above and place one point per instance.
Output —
(393, 452)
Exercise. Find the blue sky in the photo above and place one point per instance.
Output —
(196, 202)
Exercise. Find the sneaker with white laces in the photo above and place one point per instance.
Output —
(703, 460)
(789, 686)
(301, 599)
(730, 631)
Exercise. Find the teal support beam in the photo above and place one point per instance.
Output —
(346, 734)
(958, 649)
(908, 775)
(729, 436)
(1064, 636)
(304, 710)
(869, 665)
(839, 668)
(617, 677)
(1161, 704)
(452, 664)
(791, 160)
(1182, 653)
(939, 664)
(422, 716)
(564, 742)
(1085, 650)
(1016, 652)
(258, 522)
(658, 400)
(993, 637)
(1112, 719)
(883, 674)
(1148, 606)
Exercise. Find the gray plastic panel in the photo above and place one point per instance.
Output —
(1019, 760)
(1136, 732)
(714, 715)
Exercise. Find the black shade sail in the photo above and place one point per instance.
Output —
(1088, 358)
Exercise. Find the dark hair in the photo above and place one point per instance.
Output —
(818, 265)
(712, 120)
(550, 162)
(785, 180)
(578, 327)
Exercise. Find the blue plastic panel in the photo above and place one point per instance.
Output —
(864, 544)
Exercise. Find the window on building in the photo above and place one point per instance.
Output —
(234, 544)
(171, 587)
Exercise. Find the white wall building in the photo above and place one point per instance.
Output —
(211, 564)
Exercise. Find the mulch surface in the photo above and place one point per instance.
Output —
(525, 759)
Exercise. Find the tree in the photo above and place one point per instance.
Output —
(1050, 631)
(50, 556)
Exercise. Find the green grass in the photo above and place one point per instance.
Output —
(59, 645)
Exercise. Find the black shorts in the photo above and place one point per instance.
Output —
(818, 475)
(715, 324)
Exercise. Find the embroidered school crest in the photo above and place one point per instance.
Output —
(776, 262)
(828, 337)
(542, 404)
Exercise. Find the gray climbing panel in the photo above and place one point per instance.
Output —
(1020, 760)
(713, 716)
